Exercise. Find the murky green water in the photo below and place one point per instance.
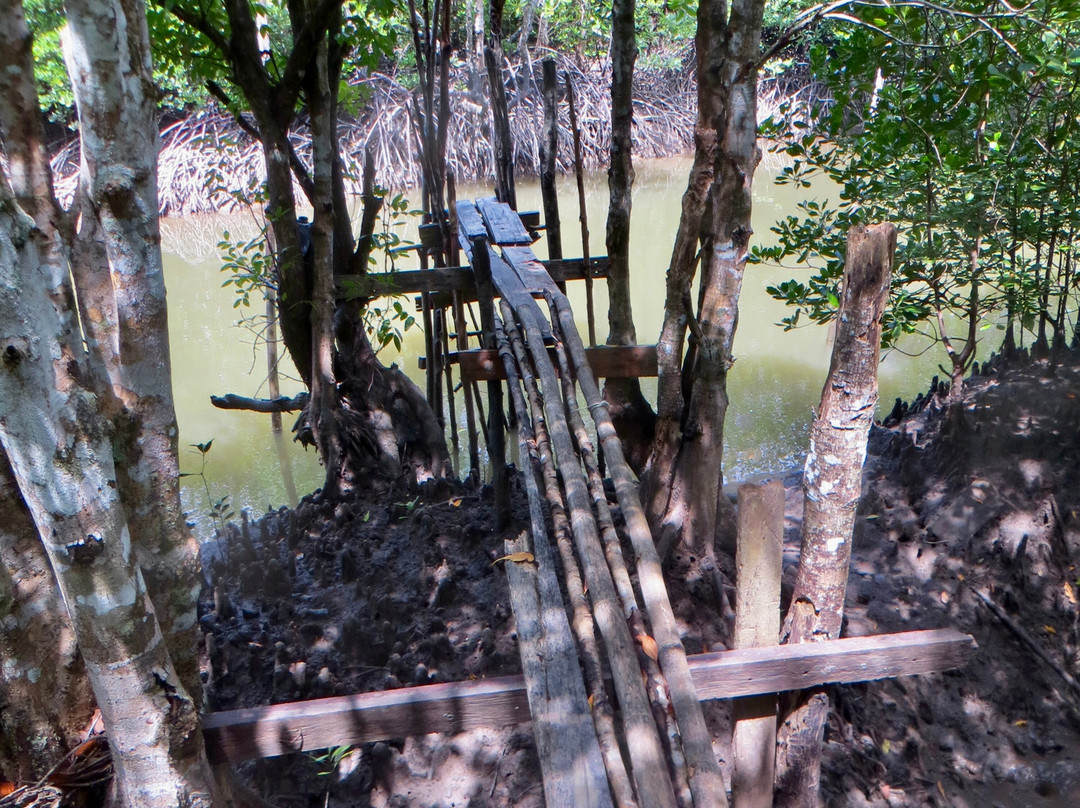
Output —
(774, 385)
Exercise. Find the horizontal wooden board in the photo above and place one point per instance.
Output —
(237, 735)
(607, 361)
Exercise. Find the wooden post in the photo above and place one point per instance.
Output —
(583, 215)
(504, 141)
(549, 154)
(462, 328)
(758, 560)
(495, 437)
(832, 481)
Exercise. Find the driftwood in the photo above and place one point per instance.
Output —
(231, 401)
(706, 781)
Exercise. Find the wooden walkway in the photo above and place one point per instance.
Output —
(615, 702)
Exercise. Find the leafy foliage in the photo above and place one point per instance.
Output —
(958, 125)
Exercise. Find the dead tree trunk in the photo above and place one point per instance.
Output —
(832, 481)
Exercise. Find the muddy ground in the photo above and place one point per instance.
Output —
(400, 590)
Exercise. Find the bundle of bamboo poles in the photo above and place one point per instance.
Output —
(669, 756)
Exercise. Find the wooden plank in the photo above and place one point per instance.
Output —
(532, 273)
(510, 287)
(470, 223)
(503, 223)
(573, 771)
(237, 735)
(606, 361)
(440, 279)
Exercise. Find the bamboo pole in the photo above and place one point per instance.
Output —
(657, 687)
(532, 435)
(648, 766)
(583, 215)
(706, 780)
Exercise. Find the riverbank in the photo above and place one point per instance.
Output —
(960, 508)
(209, 164)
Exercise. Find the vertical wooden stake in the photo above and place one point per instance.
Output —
(549, 153)
(758, 559)
(462, 328)
(495, 437)
(583, 216)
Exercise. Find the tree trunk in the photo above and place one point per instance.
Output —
(832, 481)
(119, 172)
(661, 485)
(695, 476)
(633, 417)
(44, 691)
(62, 458)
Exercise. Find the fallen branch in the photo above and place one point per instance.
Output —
(231, 401)
(1027, 639)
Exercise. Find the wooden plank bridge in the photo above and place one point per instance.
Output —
(614, 700)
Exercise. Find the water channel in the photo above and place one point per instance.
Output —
(774, 384)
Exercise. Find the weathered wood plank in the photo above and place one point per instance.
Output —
(606, 361)
(531, 271)
(510, 287)
(503, 223)
(573, 771)
(278, 729)
(572, 269)
(440, 279)
(470, 223)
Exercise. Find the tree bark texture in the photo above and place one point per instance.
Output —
(45, 697)
(621, 173)
(694, 478)
(112, 80)
(832, 483)
(670, 402)
(79, 390)
(62, 457)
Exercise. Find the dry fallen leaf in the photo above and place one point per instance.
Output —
(592, 700)
(944, 597)
(648, 645)
(941, 788)
(521, 557)
(1050, 629)
(1070, 593)
(1020, 722)
(6, 788)
(455, 502)
(886, 746)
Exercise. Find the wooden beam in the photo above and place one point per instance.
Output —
(607, 361)
(237, 735)
(503, 223)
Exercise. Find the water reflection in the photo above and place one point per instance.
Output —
(774, 385)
